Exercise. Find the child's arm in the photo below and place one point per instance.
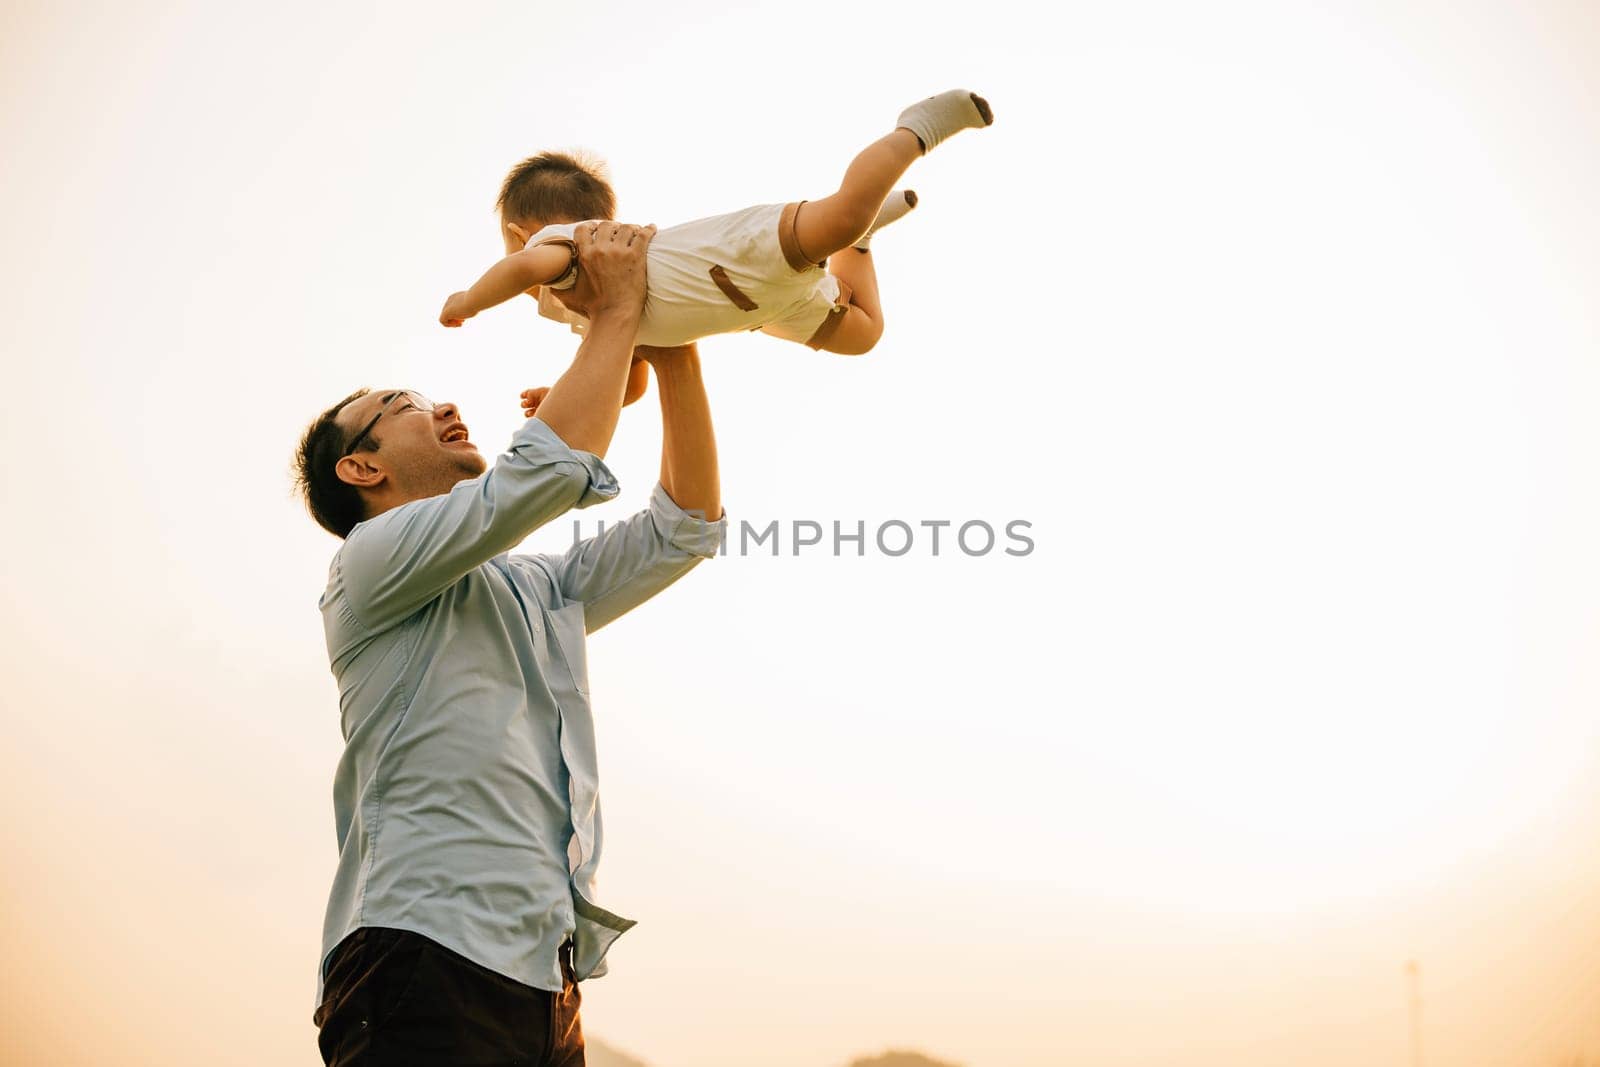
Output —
(518, 272)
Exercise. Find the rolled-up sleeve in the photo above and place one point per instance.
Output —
(398, 561)
(621, 567)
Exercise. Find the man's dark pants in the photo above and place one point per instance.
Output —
(397, 998)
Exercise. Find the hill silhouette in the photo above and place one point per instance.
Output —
(599, 1054)
(896, 1058)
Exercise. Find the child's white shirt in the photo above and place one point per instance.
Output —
(714, 275)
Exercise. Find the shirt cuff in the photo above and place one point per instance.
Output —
(686, 531)
(538, 444)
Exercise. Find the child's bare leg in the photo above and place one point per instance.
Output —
(898, 206)
(862, 324)
(823, 227)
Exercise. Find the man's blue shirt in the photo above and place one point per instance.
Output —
(467, 798)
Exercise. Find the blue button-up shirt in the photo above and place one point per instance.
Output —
(467, 802)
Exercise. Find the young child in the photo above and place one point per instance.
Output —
(762, 268)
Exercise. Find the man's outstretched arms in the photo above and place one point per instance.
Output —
(626, 564)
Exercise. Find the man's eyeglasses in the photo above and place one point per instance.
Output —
(404, 398)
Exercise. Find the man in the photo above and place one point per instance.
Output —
(462, 916)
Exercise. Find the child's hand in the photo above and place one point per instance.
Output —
(455, 310)
(531, 398)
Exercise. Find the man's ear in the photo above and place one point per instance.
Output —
(352, 470)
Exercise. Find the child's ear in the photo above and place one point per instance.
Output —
(518, 232)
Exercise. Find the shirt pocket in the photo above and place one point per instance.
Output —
(567, 623)
(735, 295)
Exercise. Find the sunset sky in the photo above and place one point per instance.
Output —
(1275, 322)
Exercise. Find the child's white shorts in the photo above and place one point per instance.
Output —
(740, 271)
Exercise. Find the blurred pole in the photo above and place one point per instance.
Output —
(1414, 981)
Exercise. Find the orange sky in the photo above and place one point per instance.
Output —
(1275, 321)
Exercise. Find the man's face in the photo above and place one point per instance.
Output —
(421, 453)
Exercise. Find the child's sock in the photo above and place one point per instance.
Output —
(900, 201)
(938, 117)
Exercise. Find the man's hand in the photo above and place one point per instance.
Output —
(583, 406)
(456, 310)
(611, 268)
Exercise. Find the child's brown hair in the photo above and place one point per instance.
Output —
(556, 187)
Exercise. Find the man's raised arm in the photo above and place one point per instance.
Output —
(620, 568)
(689, 470)
(582, 406)
(402, 559)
